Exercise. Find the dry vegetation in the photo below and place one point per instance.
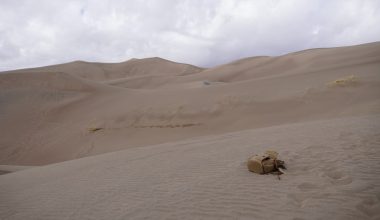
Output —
(94, 129)
(343, 82)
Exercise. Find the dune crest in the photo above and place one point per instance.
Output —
(155, 139)
(47, 113)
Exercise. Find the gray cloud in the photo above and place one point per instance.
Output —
(205, 33)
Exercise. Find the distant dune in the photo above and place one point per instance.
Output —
(47, 113)
(177, 137)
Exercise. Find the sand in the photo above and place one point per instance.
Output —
(154, 139)
(333, 173)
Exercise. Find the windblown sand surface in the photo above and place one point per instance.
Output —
(182, 135)
(333, 173)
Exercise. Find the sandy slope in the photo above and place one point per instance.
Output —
(47, 114)
(107, 71)
(182, 135)
(333, 173)
(4, 169)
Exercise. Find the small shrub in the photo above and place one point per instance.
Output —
(93, 129)
(206, 82)
(348, 81)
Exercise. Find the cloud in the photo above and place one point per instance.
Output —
(205, 33)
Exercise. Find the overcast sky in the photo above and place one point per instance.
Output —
(205, 33)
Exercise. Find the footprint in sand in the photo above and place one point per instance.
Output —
(307, 191)
(306, 186)
(337, 177)
(369, 206)
(300, 199)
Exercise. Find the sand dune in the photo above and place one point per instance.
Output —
(177, 136)
(130, 68)
(333, 173)
(47, 116)
(5, 169)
